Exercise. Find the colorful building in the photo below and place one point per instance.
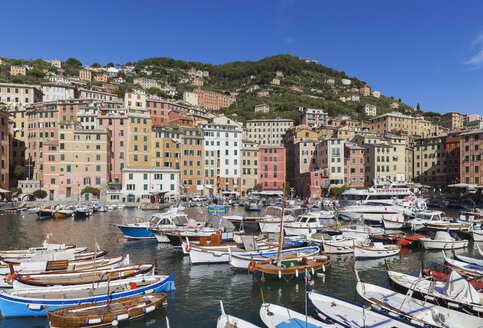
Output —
(452, 143)
(470, 157)
(313, 117)
(452, 121)
(272, 167)
(250, 153)
(354, 170)
(139, 129)
(267, 131)
(430, 161)
(192, 160)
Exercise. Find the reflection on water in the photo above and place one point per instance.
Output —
(199, 288)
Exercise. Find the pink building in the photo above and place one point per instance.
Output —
(313, 183)
(296, 88)
(472, 117)
(354, 170)
(272, 167)
(313, 117)
(263, 93)
(116, 120)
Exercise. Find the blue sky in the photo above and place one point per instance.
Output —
(429, 52)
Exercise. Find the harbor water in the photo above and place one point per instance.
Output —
(195, 303)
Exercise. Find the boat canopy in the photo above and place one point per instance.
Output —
(457, 286)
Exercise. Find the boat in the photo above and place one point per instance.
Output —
(107, 312)
(476, 234)
(270, 220)
(252, 205)
(46, 246)
(307, 224)
(337, 244)
(82, 211)
(34, 210)
(479, 250)
(447, 225)
(468, 268)
(418, 222)
(228, 321)
(96, 275)
(360, 232)
(61, 212)
(443, 240)
(33, 302)
(45, 255)
(475, 281)
(349, 314)
(246, 261)
(373, 214)
(417, 312)
(102, 208)
(276, 316)
(387, 238)
(45, 213)
(243, 222)
(170, 222)
(455, 293)
(410, 241)
(470, 260)
(376, 250)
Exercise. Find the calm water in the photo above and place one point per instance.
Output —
(195, 303)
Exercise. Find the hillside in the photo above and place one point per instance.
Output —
(302, 84)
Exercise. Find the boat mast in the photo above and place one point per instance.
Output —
(280, 238)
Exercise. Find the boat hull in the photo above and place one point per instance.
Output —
(16, 306)
(363, 253)
(428, 243)
(136, 233)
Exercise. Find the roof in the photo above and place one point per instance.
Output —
(271, 119)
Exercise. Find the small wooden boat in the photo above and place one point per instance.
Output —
(45, 213)
(349, 314)
(441, 276)
(107, 312)
(45, 247)
(70, 254)
(252, 205)
(228, 321)
(393, 223)
(467, 267)
(276, 316)
(97, 275)
(470, 260)
(443, 240)
(290, 269)
(476, 235)
(447, 225)
(479, 250)
(418, 312)
(376, 250)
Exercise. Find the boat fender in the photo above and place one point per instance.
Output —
(313, 269)
(188, 248)
(94, 321)
(149, 291)
(35, 306)
(323, 267)
(252, 266)
(279, 275)
(296, 273)
(133, 285)
(114, 323)
(149, 309)
(11, 276)
(122, 317)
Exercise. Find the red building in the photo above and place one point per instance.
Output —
(313, 183)
(159, 111)
(272, 167)
(354, 171)
(180, 118)
(452, 143)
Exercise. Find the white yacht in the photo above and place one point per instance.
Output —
(308, 224)
(372, 214)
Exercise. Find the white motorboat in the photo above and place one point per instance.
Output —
(307, 224)
(270, 222)
(476, 235)
(371, 214)
(172, 221)
(338, 244)
(443, 240)
(375, 250)
(360, 232)
(274, 316)
(229, 321)
(434, 220)
(420, 313)
(343, 312)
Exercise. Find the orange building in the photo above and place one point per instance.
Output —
(192, 147)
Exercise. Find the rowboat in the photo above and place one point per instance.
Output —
(107, 312)
(289, 269)
(276, 316)
(349, 314)
(476, 234)
(45, 213)
(45, 247)
(387, 238)
(470, 260)
(33, 302)
(228, 321)
(71, 254)
(417, 312)
(410, 240)
(440, 276)
(243, 260)
(97, 275)
(376, 250)
(467, 267)
(456, 293)
(393, 223)
(59, 266)
(337, 244)
(443, 240)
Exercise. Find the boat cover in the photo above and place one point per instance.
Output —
(459, 287)
(443, 236)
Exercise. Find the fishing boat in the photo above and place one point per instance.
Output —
(46, 246)
(228, 321)
(45, 213)
(468, 259)
(455, 293)
(82, 211)
(422, 218)
(476, 234)
(33, 302)
(270, 220)
(107, 312)
(61, 212)
(444, 225)
(387, 238)
(242, 221)
(360, 232)
(460, 265)
(417, 312)
(248, 261)
(443, 240)
(410, 241)
(102, 208)
(308, 223)
(276, 316)
(376, 250)
(170, 222)
(96, 275)
(337, 244)
(252, 205)
(349, 314)
(475, 281)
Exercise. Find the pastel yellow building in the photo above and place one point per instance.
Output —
(166, 146)
(399, 123)
(85, 75)
(452, 121)
(249, 165)
(139, 138)
(18, 70)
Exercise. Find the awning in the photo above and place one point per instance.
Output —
(462, 185)
(158, 192)
(3, 190)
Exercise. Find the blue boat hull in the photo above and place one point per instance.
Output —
(135, 233)
(13, 306)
